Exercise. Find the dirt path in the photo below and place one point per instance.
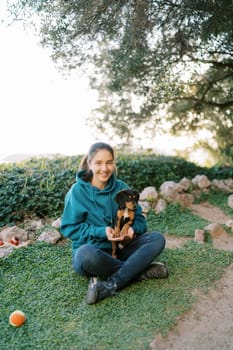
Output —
(210, 213)
(209, 325)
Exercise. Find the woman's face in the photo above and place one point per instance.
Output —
(102, 166)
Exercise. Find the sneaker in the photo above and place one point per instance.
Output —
(98, 290)
(155, 270)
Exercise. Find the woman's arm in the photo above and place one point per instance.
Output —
(139, 225)
(74, 224)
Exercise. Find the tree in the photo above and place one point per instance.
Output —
(140, 51)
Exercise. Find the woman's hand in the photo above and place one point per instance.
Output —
(110, 235)
(130, 233)
(127, 236)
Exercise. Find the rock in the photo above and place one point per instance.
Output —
(5, 250)
(215, 230)
(185, 183)
(201, 181)
(223, 185)
(185, 199)
(229, 223)
(220, 238)
(56, 223)
(199, 236)
(146, 206)
(150, 195)
(160, 206)
(174, 192)
(230, 201)
(50, 236)
(34, 225)
(13, 231)
(170, 190)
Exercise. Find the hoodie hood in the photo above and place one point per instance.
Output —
(101, 201)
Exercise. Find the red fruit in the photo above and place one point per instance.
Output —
(1, 242)
(14, 240)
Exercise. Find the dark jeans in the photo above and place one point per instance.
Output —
(131, 262)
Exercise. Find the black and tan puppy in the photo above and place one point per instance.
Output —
(127, 201)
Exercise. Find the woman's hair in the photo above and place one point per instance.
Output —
(90, 155)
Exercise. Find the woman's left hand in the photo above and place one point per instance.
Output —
(130, 233)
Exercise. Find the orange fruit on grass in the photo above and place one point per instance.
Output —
(17, 318)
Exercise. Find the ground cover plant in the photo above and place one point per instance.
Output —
(176, 220)
(40, 281)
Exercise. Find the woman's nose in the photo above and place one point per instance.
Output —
(104, 166)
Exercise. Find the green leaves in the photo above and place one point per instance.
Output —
(35, 188)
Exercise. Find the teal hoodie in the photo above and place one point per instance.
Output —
(88, 210)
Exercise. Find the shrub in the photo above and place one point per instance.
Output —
(35, 188)
(140, 171)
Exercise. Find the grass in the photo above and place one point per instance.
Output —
(39, 280)
(176, 220)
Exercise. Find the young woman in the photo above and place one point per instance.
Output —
(88, 220)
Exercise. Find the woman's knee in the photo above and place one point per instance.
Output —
(82, 257)
(158, 239)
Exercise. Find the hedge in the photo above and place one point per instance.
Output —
(37, 187)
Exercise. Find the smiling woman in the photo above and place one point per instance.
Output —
(41, 111)
(89, 219)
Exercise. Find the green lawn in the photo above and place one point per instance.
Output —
(40, 281)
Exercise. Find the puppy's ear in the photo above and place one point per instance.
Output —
(120, 198)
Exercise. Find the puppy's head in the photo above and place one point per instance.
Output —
(127, 199)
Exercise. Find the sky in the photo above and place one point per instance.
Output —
(41, 111)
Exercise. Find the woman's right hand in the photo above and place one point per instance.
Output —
(110, 235)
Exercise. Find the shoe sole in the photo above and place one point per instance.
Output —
(92, 294)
